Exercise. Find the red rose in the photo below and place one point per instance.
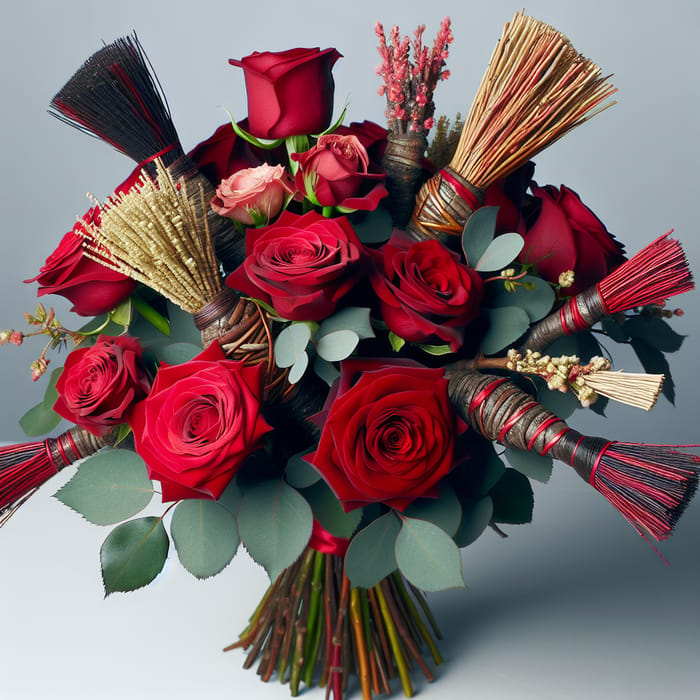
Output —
(424, 291)
(372, 136)
(301, 265)
(568, 236)
(289, 92)
(199, 423)
(335, 173)
(99, 385)
(389, 436)
(92, 288)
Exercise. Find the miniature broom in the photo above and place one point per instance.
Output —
(650, 485)
(536, 88)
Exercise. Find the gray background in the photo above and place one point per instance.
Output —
(573, 606)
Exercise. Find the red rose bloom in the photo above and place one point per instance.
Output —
(389, 437)
(300, 265)
(199, 423)
(99, 385)
(335, 173)
(424, 291)
(92, 288)
(567, 235)
(289, 92)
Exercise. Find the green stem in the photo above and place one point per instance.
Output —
(315, 621)
(158, 321)
(399, 657)
(426, 610)
(327, 212)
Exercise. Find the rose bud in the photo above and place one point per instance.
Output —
(567, 235)
(199, 423)
(99, 385)
(92, 288)
(289, 92)
(334, 173)
(253, 196)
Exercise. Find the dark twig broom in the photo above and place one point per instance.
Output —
(536, 88)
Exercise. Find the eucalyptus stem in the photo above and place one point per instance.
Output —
(395, 642)
(415, 616)
(360, 643)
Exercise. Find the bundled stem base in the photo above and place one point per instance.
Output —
(312, 627)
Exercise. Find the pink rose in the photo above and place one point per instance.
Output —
(253, 195)
(335, 174)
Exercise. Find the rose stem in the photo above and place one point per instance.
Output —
(380, 667)
(403, 630)
(426, 610)
(413, 611)
(381, 632)
(402, 612)
(297, 589)
(243, 638)
(315, 622)
(275, 642)
(395, 643)
(367, 628)
(301, 628)
(313, 660)
(329, 603)
(335, 677)
(360, 643)
(349, 661)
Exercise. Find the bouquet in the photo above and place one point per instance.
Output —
(341, 345)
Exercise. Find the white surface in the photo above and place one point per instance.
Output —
(572, 607)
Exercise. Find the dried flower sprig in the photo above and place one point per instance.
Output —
(409, 86)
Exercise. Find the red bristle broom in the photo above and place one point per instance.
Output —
(657, 272)
(650, 485)
(25, 467)
(115, 96)
(536, 88)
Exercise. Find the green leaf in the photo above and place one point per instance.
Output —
(373, 227)
(478, 233)
(51, 393)
(530, 464)
(133, 554)
(121, 315)
(354, 318)
(396, 342)
(501, 252)
(512, 499)
(655, 332)
(654, 362)
(175, 353)
(205, 536)
(534, 295)
(300, 474)
(182, 326)
(337, 345)
(108, 487)
(290, 344)
(370, 556)
(328, 511)
(476, 515)
(120, 433)
(445, 511)
(274, 522)
(506, 325)
(427, 556)
(39, 420)
(327, 371)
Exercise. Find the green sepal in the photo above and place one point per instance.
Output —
(122, 314)
(337, 122)
(266, 144)
(435, 350)
(395, 341)
(133, 554)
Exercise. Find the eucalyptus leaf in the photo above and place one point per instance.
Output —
(501, 252)
(354, 318)
(476, 515)
(182, 326)
(274, 523)
(337, 345)
(298, 369)
(51, 393)
(231, 497)
(370, 556)
(427, 556)
(530, 464)
(133, 554)
(512, 499)
(290, 344)
(299, 473)
(478, 233)
(39, 420)
(445, 511)
(327, 371)
(108, 487)
(373, 227)
(328, 511)
(533, 294)
(506, 325)
(205, 536)
(174, 353)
